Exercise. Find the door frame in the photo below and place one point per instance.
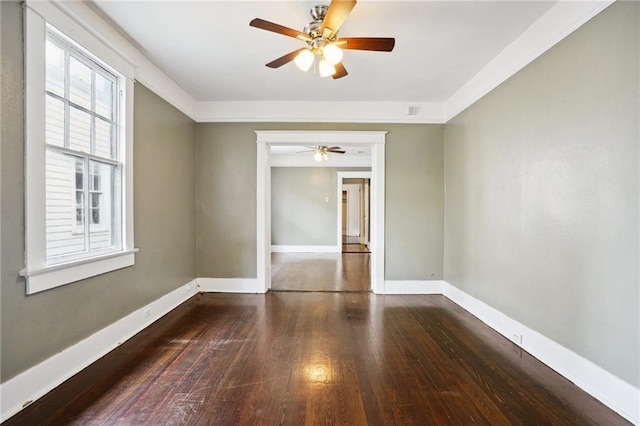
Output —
(265, 138)
(340, 177)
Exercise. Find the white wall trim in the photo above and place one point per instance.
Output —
(413, 287)
(319, 112)
(561, 20)
(374, 139)
(19, 391)
(229, 285)
(612, 391)
(304, 249)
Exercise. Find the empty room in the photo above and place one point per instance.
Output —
(320, 212)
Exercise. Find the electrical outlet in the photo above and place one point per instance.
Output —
(517, 338)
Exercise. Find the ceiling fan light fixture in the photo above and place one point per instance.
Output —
(304, 59)
(321, 37)
(317, 156)
(326, 68)
(333, 53)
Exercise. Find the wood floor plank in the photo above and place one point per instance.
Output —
(320, 272)
(295, 358)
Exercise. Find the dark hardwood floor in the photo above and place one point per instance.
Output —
(355, 248)
(299, 358)
(352, 245)
(320, 272)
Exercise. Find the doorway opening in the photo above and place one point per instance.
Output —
(375, 140)
(354, 218)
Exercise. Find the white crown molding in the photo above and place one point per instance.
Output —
(562, 19)
(319, 112)
(146, 72)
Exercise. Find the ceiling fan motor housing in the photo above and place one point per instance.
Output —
(313, 28)
(318, 12)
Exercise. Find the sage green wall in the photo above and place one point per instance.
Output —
(542, 194)
(227, 212)
(38, 326)
(226, 201)
(300, 212)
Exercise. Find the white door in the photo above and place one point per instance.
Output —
(353, 209)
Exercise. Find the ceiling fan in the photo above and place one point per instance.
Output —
(322, 151)
(321, 37)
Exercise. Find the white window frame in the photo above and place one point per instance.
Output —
(39, 275)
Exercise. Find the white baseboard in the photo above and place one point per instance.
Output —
(612, 391)
(19, 391)
(413, 287)
(305, 249)
(229, 285)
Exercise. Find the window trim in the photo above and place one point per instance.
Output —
(40, 276)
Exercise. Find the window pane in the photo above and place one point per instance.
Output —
(104, 139)
(80, 83)
(80, 211)
(104, 204)
(54, 126)
(104, 97)
(79, 176)
(55, 69)
(64, 205)
(79, 130)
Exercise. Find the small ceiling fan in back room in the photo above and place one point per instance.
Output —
(323, 46)
(321, 152)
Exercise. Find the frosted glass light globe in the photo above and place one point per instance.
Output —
(304, 59)
(332, 53)
(326, 68)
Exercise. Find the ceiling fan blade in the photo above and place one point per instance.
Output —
(279, 29)
(378, 44)
(336, 14)
(277, 63)
(341, 71)
(334, 147)
(337, 151)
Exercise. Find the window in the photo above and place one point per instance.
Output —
(83, 213)
(78, 153)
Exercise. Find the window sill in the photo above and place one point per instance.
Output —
(48, 277)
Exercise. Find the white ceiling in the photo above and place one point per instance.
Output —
(210, 51)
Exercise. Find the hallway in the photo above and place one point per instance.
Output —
(353, 245)
(320, 272)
